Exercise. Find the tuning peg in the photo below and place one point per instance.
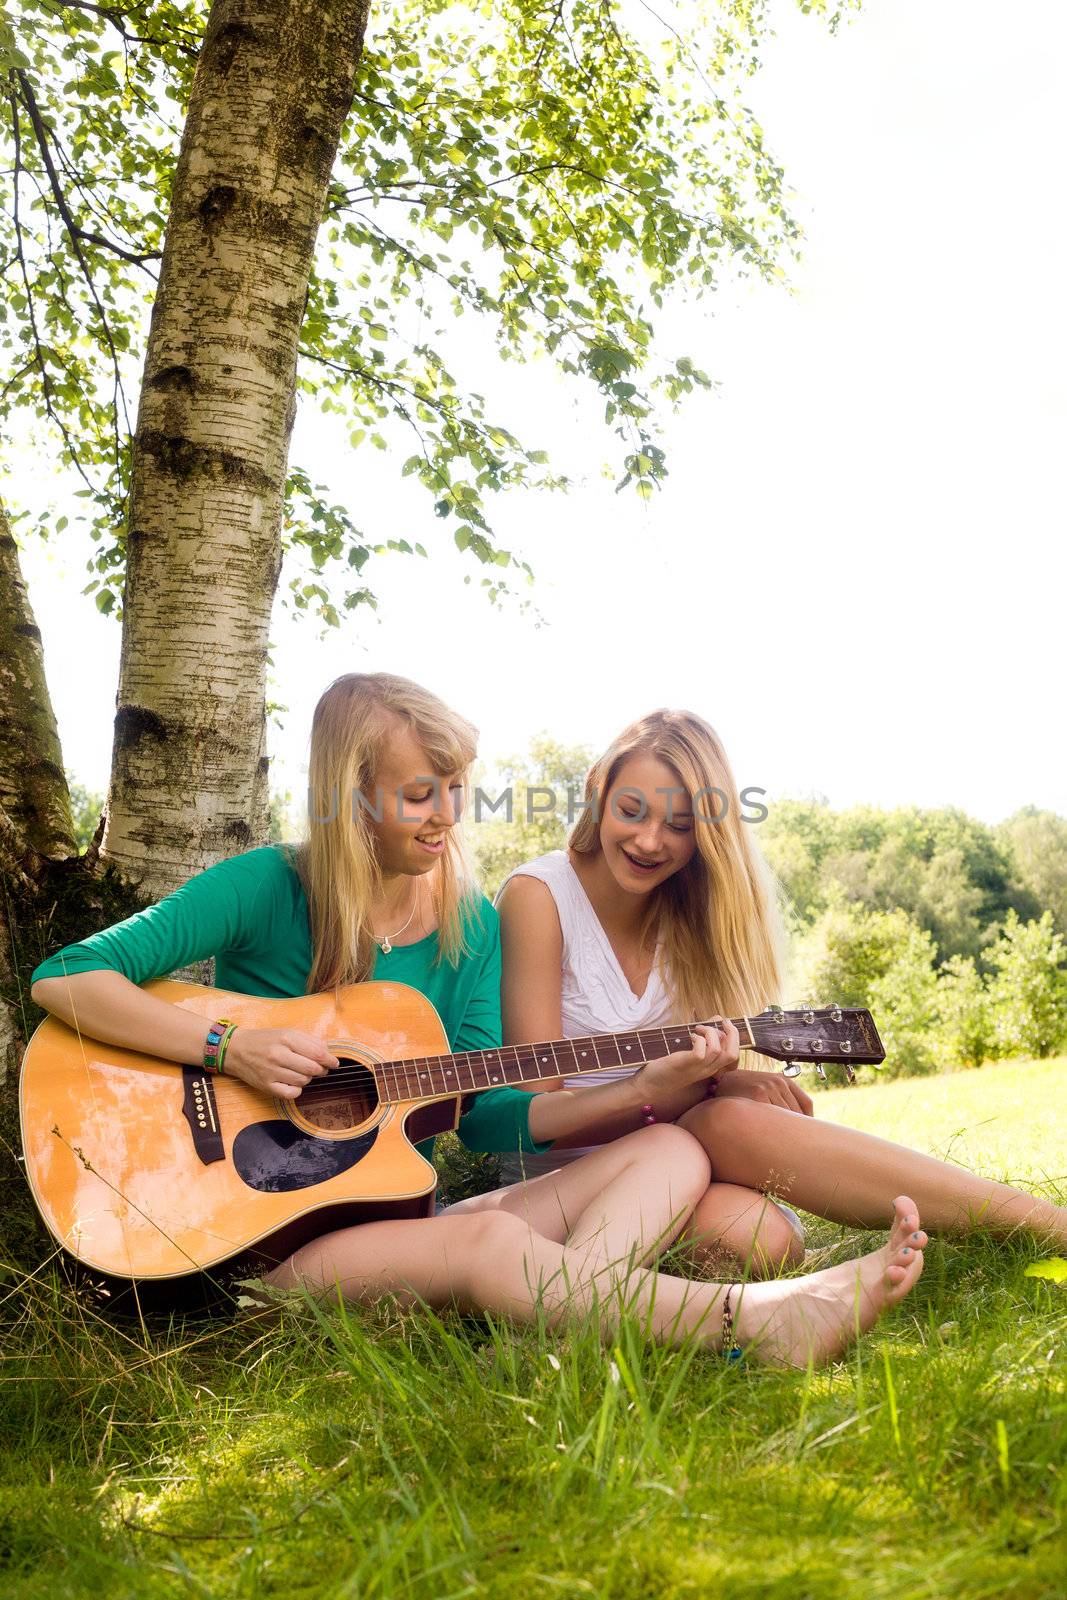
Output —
(821, 1070)
(776, 1011)
(792, 1069)
(850, 1072)
(835, 1014)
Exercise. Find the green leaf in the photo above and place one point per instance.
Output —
(1054, 1269)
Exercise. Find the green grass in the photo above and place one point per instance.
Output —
(382, 1455)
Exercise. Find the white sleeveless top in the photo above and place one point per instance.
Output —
(596, 996)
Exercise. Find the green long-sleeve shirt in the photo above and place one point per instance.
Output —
(250, 913)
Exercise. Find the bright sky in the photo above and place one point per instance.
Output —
(855, 571)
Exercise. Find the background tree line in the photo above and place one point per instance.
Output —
(950, 930)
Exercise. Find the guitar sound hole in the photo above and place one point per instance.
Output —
(344, 1099)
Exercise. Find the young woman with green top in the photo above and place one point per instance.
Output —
(380, 889)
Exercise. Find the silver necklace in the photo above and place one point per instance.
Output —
(385, 943)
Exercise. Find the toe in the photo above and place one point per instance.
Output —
(905, 1218)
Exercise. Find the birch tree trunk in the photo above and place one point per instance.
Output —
(33, 786)
(35, 819)
(272, 90)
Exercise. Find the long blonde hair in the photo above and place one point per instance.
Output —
(338, 864)
(716, 919)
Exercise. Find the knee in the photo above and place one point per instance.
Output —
(485, 1234)
(677, 1153)
(729, 1120)
(748, 1228)
(476, 1247)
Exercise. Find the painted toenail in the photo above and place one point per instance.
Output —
(915, 1235)
(906, 1251)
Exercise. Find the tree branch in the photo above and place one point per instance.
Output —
(78, 235)
(38, 349)
(117, 20)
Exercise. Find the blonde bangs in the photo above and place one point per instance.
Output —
(353, 724)
(717, 919)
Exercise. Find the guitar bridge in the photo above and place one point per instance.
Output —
(201, 1112)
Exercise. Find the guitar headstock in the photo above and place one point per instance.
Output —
(816, 1035)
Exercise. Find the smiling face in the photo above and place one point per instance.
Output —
(646, 826)
(417, 807)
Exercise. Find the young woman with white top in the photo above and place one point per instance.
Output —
(661, 911)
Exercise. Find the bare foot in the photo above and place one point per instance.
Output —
(800, 1320)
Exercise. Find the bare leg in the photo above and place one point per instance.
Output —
(490, 1258)
(745, 1226)
(849, 1177)
(632, 1195)
(728, 1224)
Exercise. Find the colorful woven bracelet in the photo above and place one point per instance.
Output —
(211, 1044)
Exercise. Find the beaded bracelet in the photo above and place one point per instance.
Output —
(217, 1032)
(711, 1089)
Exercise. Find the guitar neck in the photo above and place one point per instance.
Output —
(424, 1077)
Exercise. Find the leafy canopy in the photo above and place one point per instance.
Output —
(553, 170)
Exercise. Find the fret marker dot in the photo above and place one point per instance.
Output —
(495, 1080)
(629, 1047)
(544, 1058)
(583, 1053)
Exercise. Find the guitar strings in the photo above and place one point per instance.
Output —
(423, 1077)
(411, 1077)
(401, 1075)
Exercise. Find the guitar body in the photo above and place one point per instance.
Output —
(146, 1171)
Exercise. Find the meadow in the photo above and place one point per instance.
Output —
(386, 1454)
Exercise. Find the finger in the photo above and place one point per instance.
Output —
(731, 1045)
(725, 1056)
(286, 1091)
(805, 1104)
(305, 1044)
(791, 1096)
(292, 1060)
(295, 1076)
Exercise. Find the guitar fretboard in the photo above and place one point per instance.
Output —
(423, 1077)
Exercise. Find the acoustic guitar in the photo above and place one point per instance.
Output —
(146, 1171)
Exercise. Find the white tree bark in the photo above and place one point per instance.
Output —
(272, 90)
